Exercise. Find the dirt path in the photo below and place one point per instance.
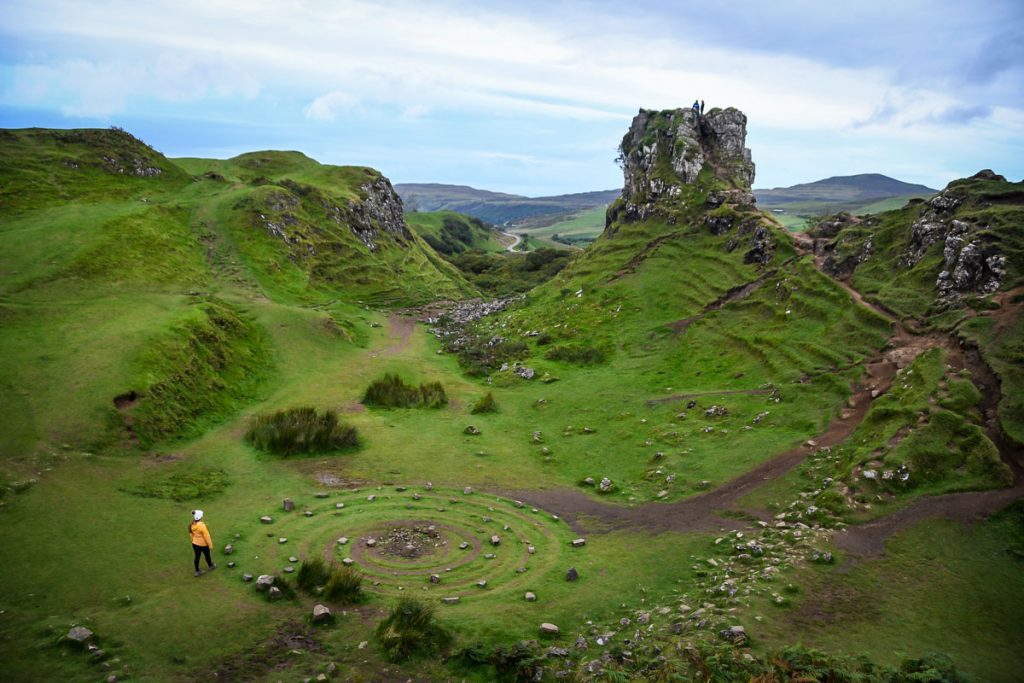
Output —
(400, 329)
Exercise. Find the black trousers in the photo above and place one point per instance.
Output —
(202, 550)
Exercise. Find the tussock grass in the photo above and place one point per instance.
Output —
(301, 430)
(342, 585)
(486, 404)
(411, 630)
(391, 391)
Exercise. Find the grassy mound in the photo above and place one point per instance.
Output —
(391, 391)
(301, 430)
(411, 630)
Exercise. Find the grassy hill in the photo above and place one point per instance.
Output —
(856, 194)
(452, 233)
(683, 413)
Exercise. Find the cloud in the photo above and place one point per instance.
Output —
(326, 107)
(960, 114)
(99, 89)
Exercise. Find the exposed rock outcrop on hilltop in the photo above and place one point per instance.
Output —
(664, 150)
(963, 240)
(683, 167)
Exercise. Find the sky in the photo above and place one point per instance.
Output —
(530, 97)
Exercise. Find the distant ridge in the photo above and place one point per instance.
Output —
(496, 207)
(862, 187)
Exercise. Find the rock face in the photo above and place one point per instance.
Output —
(664, 150)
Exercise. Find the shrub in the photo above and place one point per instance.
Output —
(484, 405)
(301, 430)
(392, 392)
(344, 586)
(313, 573)
(410, 630)
(580, 355)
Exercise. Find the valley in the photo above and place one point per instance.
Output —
(702, 447)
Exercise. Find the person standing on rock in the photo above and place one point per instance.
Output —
(696, 106)
(201, 542)
(702, 107)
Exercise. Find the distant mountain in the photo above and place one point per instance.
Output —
(852, 188)
(856, 194)
(496, 207)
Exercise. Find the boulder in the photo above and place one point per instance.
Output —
(264, 582)
(321, 613)
(547, 629)
(79, 634)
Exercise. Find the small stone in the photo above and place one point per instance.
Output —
(434, 578)
(289, 570)
(463, 545)
(282, 540)
(579, 543)
(416, 496)
(530, 549)
(320, 494)
(468, 490)
(343, 540)
(371, 498)
(293, 559)
(228, 549)
(79, 634)
(400, 489)
(266, 519)
(247, 577)
(450, 601)
(471, 430)
(348, 562)
(231, 565)
(308, 513)
(321, 613)
(428, 486)
(370, 542)
(481, 583)
(547, 629)
(339, 506)
(275, 593)
(289, 505)
(530, 597)
(572, 574)
(490, 556)
(495, 540)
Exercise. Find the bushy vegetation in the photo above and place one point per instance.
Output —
(411, 630)
(343, 585)
(577, 354)
(391, 391)
(486, 404)
(301, 430)
(480, 356)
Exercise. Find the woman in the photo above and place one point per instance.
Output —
(201, 543)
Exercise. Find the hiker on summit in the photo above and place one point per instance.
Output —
(702, 107)
(201, 542)
(696, 107)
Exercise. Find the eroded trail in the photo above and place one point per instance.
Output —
(704, 512)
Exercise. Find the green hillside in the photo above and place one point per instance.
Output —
(498, 207)
(697, 448)
(452, 233)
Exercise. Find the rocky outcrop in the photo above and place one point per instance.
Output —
(972, 264)
(665, 150)
(379, 211)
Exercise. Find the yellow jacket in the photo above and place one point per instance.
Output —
(200, 534)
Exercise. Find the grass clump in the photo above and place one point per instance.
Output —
(577, 354)
(203, 482)
(391, 391)
(411, 630)
(301, 430)
(484, 405)
(287, 589)
(342, 585)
